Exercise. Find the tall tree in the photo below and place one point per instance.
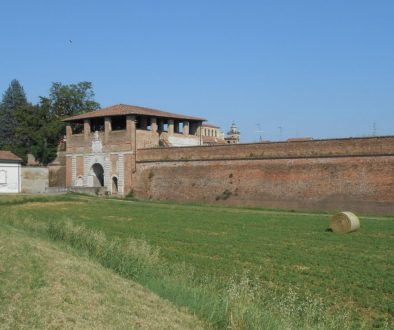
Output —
(13, 98)
(32, 120)
(40, 128)
(37, 133)
(70, 100)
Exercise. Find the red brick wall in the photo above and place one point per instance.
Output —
(326, 175)
(314, 148)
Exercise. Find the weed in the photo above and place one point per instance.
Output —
(224, 195)
(130, 194)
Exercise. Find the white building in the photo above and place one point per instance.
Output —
(10, 172)
(211, 134)
(233, 135)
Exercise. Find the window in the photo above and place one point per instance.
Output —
(77, 128)
(118, 123)
(97, 124)
(3, 177)
(137, 122)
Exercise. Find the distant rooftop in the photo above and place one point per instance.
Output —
(124, 109)
(209, 125)
(9, 156)
(212, 139)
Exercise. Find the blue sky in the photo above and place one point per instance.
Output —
(315, 68)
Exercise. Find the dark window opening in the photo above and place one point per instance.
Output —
(77, 128)
(114, 185)
(97, 124)
(160, 125)
(193, 128)
(142, 122)
(118, 123)
(178, 127)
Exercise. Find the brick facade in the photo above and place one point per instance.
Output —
(356, 174)
(330, 175)
(101, 150)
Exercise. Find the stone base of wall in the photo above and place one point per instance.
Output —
(94, 191)
(34, 179)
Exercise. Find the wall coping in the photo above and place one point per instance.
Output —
(277, 142)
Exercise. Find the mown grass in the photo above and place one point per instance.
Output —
(243, 303)
(47, 286)
(247, 267)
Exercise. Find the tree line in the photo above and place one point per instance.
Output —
(38, 128)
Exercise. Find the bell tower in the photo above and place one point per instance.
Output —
(233, 134)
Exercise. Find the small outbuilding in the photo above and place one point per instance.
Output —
(10, 172)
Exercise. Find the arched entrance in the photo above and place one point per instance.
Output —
(114, 185)
(96, 175)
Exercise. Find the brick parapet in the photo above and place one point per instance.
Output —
(350, 147)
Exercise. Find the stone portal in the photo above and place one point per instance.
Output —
(96, 176)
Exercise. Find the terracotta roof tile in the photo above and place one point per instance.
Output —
(124, 109)
(9, 156)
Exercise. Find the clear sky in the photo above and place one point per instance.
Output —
(314, 68)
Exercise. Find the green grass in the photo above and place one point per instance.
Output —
(48, 286)
(288, 255)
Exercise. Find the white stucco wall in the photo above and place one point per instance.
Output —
(183, 141)
(10, 177)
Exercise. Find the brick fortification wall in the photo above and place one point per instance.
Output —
(326, 175)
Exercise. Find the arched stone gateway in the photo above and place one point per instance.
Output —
(96, 176)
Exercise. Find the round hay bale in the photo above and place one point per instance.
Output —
(344, 222)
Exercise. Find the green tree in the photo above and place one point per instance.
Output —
(38, 132)
(70, 100)
(31, 121)
(40, 128)
(13, 98)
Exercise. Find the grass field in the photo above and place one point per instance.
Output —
(284, 267)
(47, 286)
